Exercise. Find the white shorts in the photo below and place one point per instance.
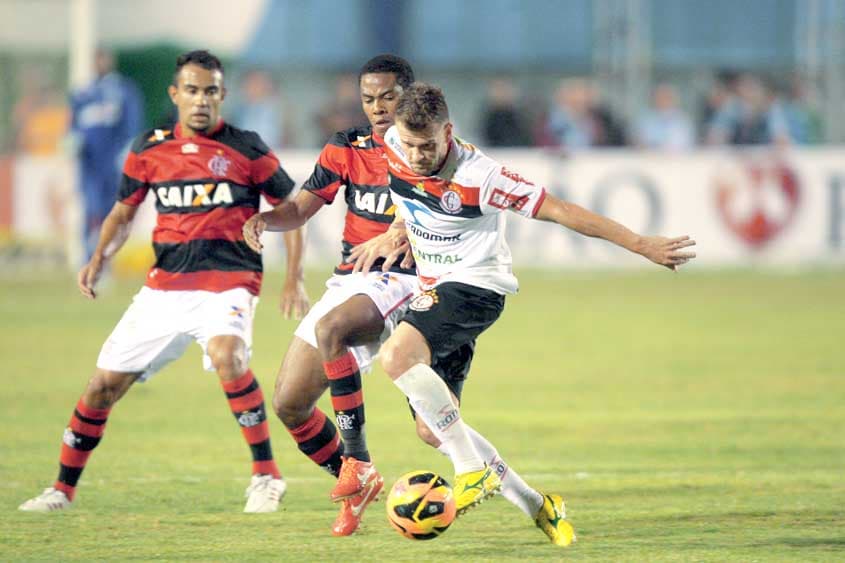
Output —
(390, 292)
(158, 326)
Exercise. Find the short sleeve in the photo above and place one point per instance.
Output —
(330, 171)
(133, 182)
(504, 189)
(271, 179)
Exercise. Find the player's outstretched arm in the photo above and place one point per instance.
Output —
(287, 216)
(113, 235)
(390, 245)
(294, 299)
(664, 251)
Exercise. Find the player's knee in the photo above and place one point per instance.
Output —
(291, 412)
(393, 360)
(102, 392)
(229, 362)
(331, 334)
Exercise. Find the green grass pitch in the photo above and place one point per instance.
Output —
(689, 417)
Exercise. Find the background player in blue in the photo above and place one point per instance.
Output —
(105, 115)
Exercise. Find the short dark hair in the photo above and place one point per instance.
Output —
(200, 58)
(392, 64)
(420, 105)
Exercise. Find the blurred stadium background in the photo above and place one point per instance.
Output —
(691, 417)
(722, 119)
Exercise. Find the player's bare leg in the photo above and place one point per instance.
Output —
(355, 321)
(406, 358)
(299, 384)
(82, 435)
(228, 355)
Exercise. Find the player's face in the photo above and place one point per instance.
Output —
(379, 96)
(426, 149)
(197, 95)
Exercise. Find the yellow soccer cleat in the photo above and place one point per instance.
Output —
(550, 519)
(472, 488)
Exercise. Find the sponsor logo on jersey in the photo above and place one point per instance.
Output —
(435, 258)
(158, 135)
(515, 177)
(190, 148)
(503, 200)
(366, 201)
(194, 195)
(361, 141)
(219, 164)
(450, 201)
(424, 301)
(434, 237)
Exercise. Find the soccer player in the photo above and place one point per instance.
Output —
(339, 337)
(451, 197)
(207, 177)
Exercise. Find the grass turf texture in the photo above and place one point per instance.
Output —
(684, 417)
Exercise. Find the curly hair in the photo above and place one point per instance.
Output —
(388, 63)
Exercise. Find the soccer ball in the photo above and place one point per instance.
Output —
(420, 505)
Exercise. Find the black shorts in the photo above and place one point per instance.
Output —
(450, 317)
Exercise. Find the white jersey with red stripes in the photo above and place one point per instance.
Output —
(454, 219)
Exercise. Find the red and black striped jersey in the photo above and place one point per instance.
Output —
(206, 188)
(355, 158)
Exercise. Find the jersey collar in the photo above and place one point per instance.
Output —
(178, 134)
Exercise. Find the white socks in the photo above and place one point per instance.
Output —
(514, 488)
(517, 491)
(430, 398)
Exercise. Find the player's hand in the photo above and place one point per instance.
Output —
(253, 228)
(390, 245)
(88, 276)
(294, 302)
(667, 251)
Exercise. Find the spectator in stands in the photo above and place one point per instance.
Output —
(40, 121)
(721, 94)
(343, 110)
(571, 123)
(751, 119)
(609, 131)
(502, 122)
(664, 126)
(578, 119)
(802, 118)
(260, 108)
(105, 115)
(40, 117)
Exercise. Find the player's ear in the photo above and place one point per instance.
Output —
(448, 129)
(223, 93)
(171, 91)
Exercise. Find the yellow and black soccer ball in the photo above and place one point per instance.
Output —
(421, 505)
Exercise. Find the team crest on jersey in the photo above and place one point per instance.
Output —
(424, 301)
(219, 164)
(450, 201)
